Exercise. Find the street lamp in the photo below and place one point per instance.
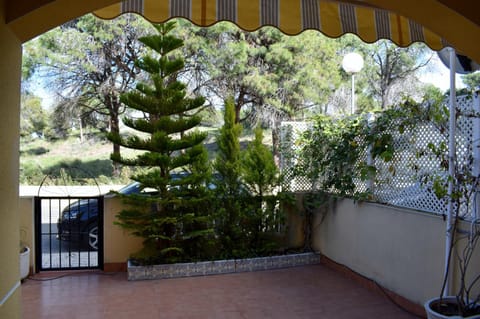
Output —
(352, 63)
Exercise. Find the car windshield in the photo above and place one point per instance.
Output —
(133, 188)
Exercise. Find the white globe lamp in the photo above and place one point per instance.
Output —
(352, 63)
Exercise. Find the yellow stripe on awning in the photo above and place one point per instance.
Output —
(330, 19)
(203, 12)
(400, 31)
(249, 14)
(365, 17)
(157, 10)
(109, 12)
(291, 16)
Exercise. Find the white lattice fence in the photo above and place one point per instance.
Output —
(290, 134)
(397, 182)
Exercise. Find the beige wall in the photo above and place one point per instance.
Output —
(11, 56)
(118, 243)
(400, 249)
(27, 222)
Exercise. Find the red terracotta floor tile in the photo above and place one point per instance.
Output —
(292, 293)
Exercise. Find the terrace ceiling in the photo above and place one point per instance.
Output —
(438, 23)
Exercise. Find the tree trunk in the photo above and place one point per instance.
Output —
(276, 143)
(238, 105)
(81, 129)
(115, 128)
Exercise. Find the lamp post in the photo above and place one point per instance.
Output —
(352, 63)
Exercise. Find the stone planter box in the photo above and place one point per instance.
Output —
(220, 266)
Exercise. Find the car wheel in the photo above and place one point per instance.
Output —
(93, 237)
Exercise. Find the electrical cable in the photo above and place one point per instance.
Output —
(98, 273)
(384, 292)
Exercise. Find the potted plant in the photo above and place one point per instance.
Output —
(465, 301)
(24, 261)
(465, 234)
(464, 231)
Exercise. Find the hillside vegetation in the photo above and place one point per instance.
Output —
(87, 162)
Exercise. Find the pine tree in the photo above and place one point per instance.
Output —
(175, 223)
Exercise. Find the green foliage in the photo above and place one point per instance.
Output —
(472, 81)
(175, 223)
(248, 211)
(331, 152)
(259, 172)
(261, 177)
(389, 71)
(229, 192)
(33, 118)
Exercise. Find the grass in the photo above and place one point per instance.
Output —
(88, 162)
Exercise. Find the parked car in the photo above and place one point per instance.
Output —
(78, 221)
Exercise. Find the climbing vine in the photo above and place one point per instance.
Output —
(333, 155)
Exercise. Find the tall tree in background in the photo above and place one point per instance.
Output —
(272, 77)
(471, 81)
(33, 118)
(389, 71)
(394, 66)
(179, 224)
(88, 63)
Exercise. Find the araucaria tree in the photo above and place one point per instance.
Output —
(175, 221)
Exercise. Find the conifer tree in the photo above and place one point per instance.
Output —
(261, 177)
(260, 174)
(231, 201)
(175, 223)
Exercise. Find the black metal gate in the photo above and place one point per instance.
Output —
(69, 233)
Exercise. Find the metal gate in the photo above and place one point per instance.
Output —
(69, 233)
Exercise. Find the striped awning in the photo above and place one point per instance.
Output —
(332, 18)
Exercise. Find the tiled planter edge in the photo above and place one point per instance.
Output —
(220, 266)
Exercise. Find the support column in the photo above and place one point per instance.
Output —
(476, 151)
(10, 73)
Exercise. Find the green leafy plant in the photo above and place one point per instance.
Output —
(332, 155)
(459, 188)
(333, 152)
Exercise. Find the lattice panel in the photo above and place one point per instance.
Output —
(397, 182)
(290, 133)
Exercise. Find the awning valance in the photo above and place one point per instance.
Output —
(291, 16)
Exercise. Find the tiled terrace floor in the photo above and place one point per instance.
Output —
(301, 292)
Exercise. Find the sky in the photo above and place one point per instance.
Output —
(439, 75)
